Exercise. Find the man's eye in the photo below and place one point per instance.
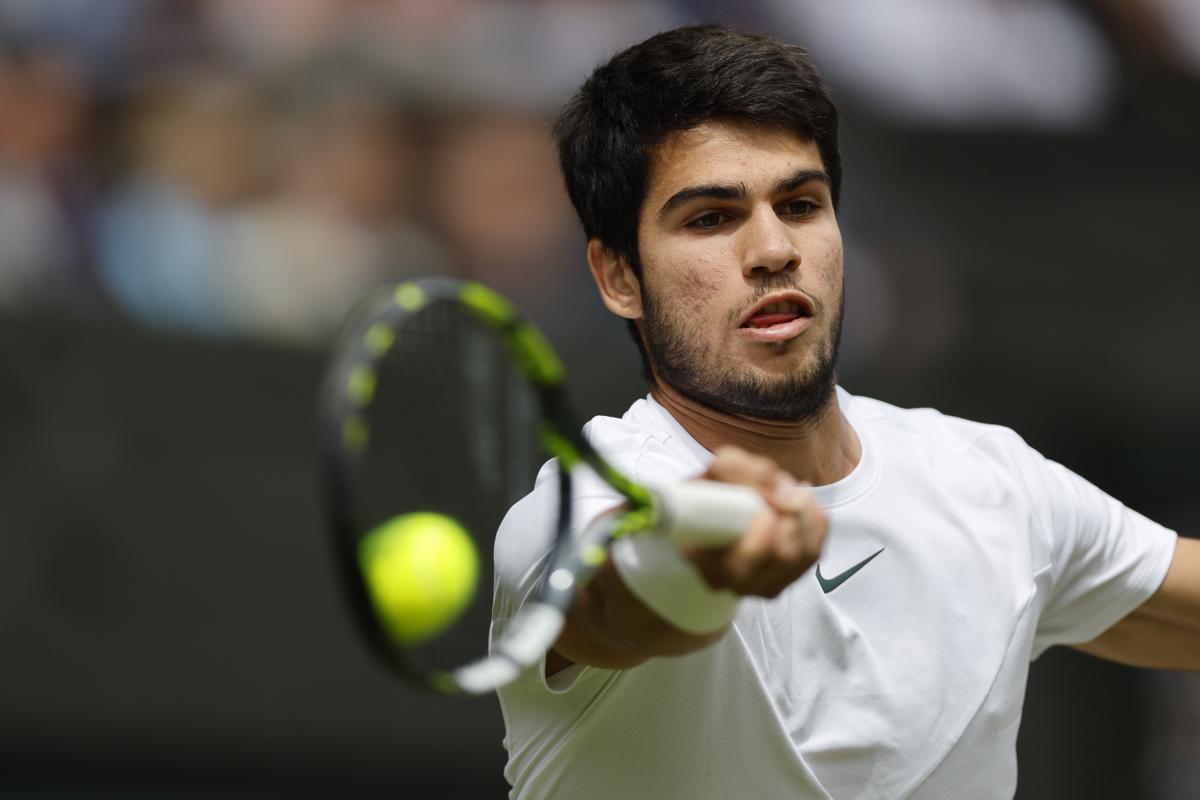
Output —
(799, 208)
(708, 221)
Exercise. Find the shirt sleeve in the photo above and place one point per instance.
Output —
(526, 536)
(1105, 559)
(524, 541)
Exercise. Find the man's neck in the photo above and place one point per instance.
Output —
(821, 451)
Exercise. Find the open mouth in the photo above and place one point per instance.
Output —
(778, 317)
(775, 314)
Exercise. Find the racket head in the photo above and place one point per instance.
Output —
(439, 402)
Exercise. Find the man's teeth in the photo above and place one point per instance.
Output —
(780, 308)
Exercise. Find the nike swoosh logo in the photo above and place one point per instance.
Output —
(829, 584)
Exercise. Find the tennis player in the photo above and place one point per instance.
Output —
(887, 659)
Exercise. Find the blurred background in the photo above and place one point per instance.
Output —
(192, 194)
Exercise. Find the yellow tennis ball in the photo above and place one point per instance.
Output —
(421, 570)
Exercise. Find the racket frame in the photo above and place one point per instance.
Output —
(347, 392)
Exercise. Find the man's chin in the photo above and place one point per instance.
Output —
(791, 381)
(781, 399)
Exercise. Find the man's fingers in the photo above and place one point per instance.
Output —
(778, 487)
(730, 566)
(779, 545)
(789, 495)
(777, 548)
(801, 523)
(734, 465)
(797, 540)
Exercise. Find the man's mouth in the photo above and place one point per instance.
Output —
(774, 314)
(778, 317)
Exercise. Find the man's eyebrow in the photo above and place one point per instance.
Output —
(738, 191)
(713, 191)
(799, 179)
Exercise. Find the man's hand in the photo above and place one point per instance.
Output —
(609, 627)
(781, 543)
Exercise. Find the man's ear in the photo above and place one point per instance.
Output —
(619, 287)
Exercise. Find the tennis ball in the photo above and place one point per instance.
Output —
(420, 570)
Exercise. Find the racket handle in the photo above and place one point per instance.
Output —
(707, 512)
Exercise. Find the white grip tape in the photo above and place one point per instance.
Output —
(669, 585)
(706, 512)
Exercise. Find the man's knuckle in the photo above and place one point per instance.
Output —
(763, 471)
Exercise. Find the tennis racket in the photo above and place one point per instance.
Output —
(439, 406)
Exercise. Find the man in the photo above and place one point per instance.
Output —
(704, 165)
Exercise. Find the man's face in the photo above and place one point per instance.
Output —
(741, 259)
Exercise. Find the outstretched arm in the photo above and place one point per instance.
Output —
(1164, 632)
(609, 627)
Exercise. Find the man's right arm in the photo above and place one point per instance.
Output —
(609, 627)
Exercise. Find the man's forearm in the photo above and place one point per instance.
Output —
(611, 628)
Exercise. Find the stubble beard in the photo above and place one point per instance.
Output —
(691, 368)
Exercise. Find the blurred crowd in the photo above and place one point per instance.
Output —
(248, 168)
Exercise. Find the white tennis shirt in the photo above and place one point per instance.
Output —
(906, 680)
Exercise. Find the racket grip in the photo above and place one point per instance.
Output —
(706, 512)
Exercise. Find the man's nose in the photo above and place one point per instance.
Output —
(770, 245)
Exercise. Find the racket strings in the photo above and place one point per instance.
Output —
(454, 431)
